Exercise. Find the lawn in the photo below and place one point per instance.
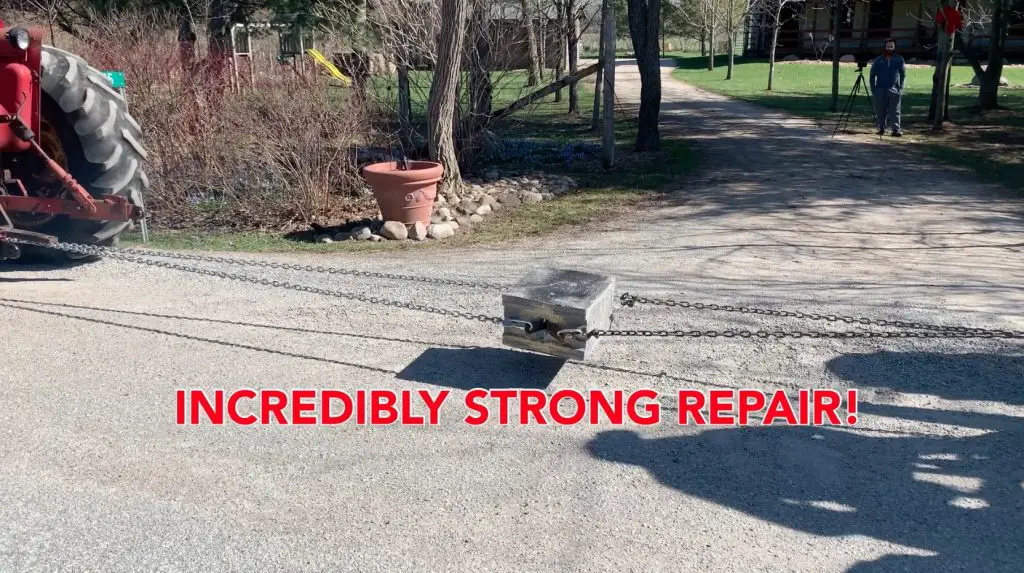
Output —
(542, 137)
(988, 143)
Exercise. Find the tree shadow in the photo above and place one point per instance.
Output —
(960, 498)
(971, 376)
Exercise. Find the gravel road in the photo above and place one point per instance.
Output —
(96, 476)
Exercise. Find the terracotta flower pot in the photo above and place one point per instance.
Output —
(404, 196)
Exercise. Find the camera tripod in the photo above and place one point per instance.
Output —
(844, 117)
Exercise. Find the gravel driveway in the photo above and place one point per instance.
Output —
(96, 476)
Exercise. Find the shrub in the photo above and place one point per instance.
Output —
(277, 156)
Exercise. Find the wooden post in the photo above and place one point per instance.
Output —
(608, 60)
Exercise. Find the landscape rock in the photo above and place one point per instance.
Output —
(395, 231)
(791, 58)
(375, 238)
(468, 207)
(440, 231)
(463, 221)
(361, 233)
(510, 200)
(453, 224)
(848, 59)
(487, 200)
(445, 213)
(532, 197)
(547, 196)
(476, 219)
(491, 175)
(324, 239)
(483, 210)
(976, 81)
(342, 237)
(496, 206)
(418, 231)
(436, 219)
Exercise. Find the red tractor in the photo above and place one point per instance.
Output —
(71, 156)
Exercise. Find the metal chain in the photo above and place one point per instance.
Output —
(630, 300)
(109, 251)
(765, 334)
(118, 254)
(918, 330)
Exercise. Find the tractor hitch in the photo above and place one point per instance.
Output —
(82, 205)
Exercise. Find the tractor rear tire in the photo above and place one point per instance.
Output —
(102, 145)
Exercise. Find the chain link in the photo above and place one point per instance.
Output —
(917, 330)
(630, 300)
(765, 334)
(109, 251)
(122, 255)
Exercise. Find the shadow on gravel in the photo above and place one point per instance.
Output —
(468, 368)
(809, 167)
(986, 377)
(961, 499)
(185, 336)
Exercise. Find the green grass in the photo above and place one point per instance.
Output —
(988, 143)
(603, 194)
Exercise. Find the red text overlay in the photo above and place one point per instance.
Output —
(524, 407)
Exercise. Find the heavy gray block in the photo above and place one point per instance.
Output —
(553, 300)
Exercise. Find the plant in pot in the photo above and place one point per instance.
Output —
(405, 190)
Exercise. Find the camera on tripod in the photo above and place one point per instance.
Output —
(861, 84)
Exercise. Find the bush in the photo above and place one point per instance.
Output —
(279, 156)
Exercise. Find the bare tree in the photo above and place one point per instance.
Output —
(573, 12)
(52, 10)
(443, 98)
(988, 93)
(532, 51)
(772, 10)
(737, 12)
(479, 56)
(701, 15)
(943, 64)
(644, 25)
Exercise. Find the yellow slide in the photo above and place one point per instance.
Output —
(320, 59)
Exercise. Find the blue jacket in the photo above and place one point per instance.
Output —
(888, 74)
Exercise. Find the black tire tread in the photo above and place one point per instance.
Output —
(109, 137)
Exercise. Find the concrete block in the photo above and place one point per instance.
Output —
(548, 300)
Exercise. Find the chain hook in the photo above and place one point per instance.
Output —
(628, 299)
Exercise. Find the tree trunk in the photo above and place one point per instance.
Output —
(771, 49)
(572, 27)
(944, 57)
(562, 46)
(532, 52)
(218, 30)
(711, 44)
(480, 89)
(542, 48)
(644, 19)
(837, 19)
(988, 93)
(595, 115)
(703, 38)
(443, 97)
(732, 38)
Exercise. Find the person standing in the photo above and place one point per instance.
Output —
(888, 76)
